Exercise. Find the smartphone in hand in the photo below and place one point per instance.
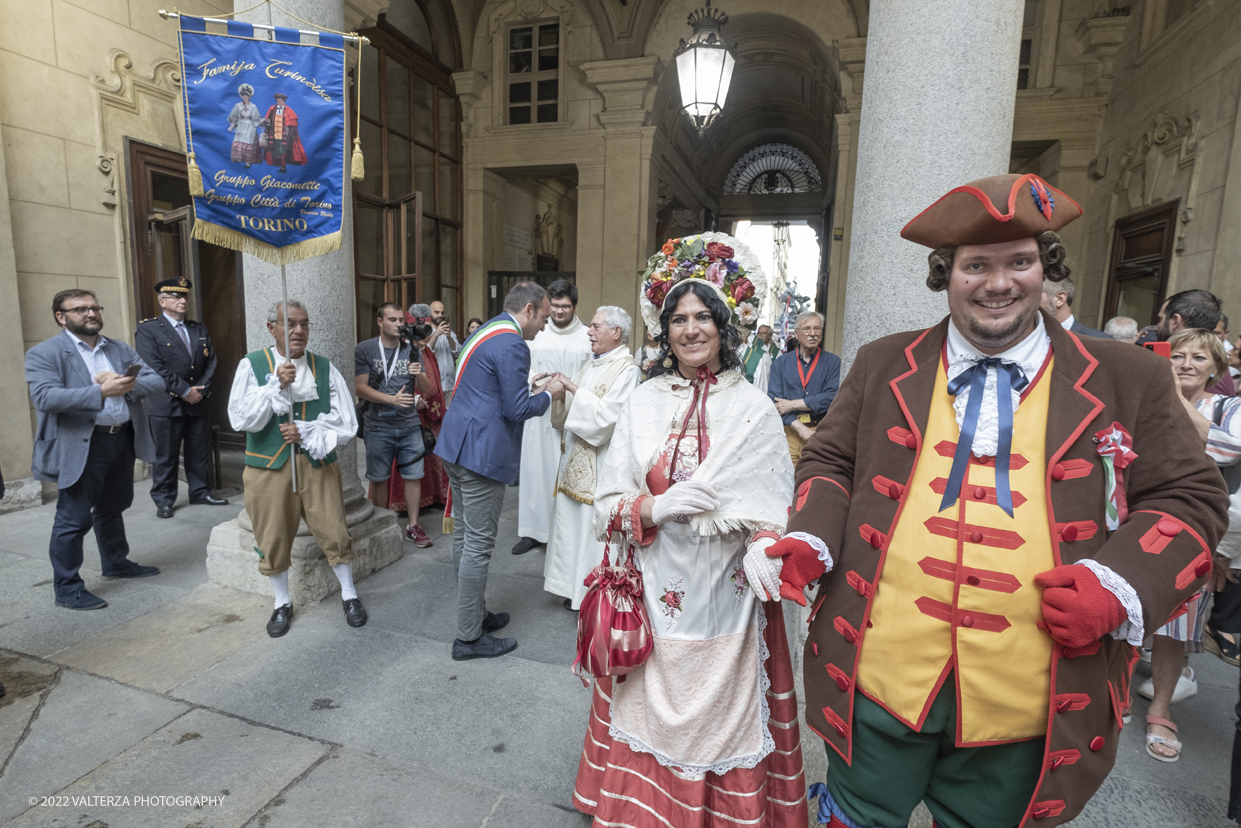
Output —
(132, 370)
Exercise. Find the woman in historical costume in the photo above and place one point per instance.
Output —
(1198, 360)
(244, 121)
(704, 733)
(431, 414)
(284, 146)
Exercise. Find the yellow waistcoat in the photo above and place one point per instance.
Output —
(957, 589)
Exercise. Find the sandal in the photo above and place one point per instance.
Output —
(1222, 644)
(1152, 739)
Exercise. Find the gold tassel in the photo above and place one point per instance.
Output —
(236, 240)
(449, 526)
(195, 177)
(357, 170)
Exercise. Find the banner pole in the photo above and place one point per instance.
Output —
(284, 299)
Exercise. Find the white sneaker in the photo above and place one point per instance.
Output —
(1145, 654)
(1186, 686)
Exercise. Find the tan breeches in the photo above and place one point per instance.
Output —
(796, 443)
(275, 509)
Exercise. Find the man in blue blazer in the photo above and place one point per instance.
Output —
(480, 444)
(86, 389)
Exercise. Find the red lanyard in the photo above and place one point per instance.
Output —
(805, 378)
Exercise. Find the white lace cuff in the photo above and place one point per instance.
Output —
(317, 439)
(1131, 631)
(817, 545)
(278, 399)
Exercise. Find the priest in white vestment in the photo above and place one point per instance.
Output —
(592, 404)
(560, 348)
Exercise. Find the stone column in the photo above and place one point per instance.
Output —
(325, 285)
(936, 113)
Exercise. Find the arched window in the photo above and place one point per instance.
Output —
(773, 168)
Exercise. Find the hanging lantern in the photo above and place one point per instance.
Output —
(704, 67)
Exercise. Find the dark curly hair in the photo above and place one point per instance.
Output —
(730, 339)
(1051, 252)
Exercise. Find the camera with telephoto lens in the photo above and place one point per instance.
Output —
(415, 332)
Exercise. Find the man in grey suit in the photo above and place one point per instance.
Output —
(1057, 300)
(86, 389)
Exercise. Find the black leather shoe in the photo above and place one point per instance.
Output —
(525, 545)
(280, 619)
(209, 501)
(568, 604)
(132, 571)
(81, 600)
(495, 621)
(487, 646)
(355, 613)
(164, 512)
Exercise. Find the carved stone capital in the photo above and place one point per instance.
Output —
(852, 64)
(361, 14)
(627, 87)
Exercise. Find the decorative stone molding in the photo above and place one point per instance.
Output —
(1100, 37)
(853, 64)
(146, 106)
(1165, 165)
(627, 87)
(107, 166)
(469, 86)
(529, 10)
(361, 14)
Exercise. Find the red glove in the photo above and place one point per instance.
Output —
(801, 567)
(1077, 609)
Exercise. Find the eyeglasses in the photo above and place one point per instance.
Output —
(95, 310)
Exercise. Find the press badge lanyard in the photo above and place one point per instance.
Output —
(805, 378)
(388, 369)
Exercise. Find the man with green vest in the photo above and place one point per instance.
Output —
(268, 386)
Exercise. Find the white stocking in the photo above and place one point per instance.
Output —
(344, 574)
(280, 586)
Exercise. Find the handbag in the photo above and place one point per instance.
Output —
(428, 442)
(613, 630)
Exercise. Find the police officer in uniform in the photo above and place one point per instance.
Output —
(180, 351)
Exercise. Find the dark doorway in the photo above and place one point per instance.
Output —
(1141, 253)
(162, 244)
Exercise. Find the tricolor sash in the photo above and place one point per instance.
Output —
(496, 327)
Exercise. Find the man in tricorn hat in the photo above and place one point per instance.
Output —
(283, 144)
(995, 511)
(180, 351)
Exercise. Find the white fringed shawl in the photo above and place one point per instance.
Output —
(748, 462)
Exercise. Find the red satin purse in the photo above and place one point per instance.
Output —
(613, 630)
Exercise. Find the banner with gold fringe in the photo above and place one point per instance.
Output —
(265, 117)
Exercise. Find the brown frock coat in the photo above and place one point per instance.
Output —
(851, 485)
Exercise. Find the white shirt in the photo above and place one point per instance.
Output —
(251, 405)
(1067, 324)
(114, 411)
(1029, 354)
(445, 349)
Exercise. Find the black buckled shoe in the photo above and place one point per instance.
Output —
(485, 646)
(164, 512)
(495, 621)
(280, 620)
(355, 613)
(133, 570)
(209, 500)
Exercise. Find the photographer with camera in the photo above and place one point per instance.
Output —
(443, 342)
(388, 377)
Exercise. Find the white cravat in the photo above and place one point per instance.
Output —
(1029, 355)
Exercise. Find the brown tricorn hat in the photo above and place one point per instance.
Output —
(1001, 208)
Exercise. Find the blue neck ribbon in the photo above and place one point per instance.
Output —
(1009, 376)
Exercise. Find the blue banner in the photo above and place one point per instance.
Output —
(265, 126)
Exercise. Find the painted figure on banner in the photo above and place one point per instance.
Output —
(283, 145)
(244, 122)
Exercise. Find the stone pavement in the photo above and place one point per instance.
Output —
(175, 690)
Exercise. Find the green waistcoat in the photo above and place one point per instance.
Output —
(266, 448)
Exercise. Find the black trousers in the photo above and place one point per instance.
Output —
(97, 500)
(169, 433)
